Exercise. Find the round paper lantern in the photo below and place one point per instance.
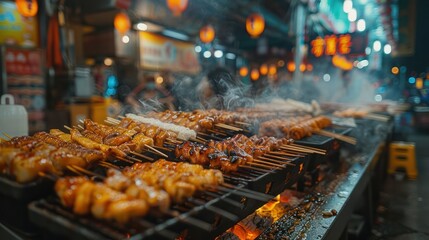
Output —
(122, 22)
(291, 66)
(263, 69)
(254, 74)
(255, 25)
(302, 67)
(243, 71)
(272, 70)
(27, 8)
(177, 6)
(207, 34)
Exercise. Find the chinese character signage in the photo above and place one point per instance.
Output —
(342, 44)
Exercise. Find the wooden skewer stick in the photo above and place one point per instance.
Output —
(307, 147)
(225, 126)
(67, 127)
(277, 157)
(162, 148)
(216, 132)
(266, 162)
(338, 136)
(88, 172)
(141, 155)
(254, 163)
(7, 135)
(109, 165)
(134, 159)
(278, 153)
(271, 160)
(243, 123)
(70, 168)
(257, 169)
(124, 159)
(156, 151)
(297, 149)
(48, 176)
(282, 162)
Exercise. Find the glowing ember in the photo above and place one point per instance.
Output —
(252, 226)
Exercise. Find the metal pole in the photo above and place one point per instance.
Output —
(299, 39)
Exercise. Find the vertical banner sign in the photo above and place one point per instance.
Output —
(407, 27)
(16, 29)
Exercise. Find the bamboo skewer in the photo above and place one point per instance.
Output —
(216, 132)
(83, 170)
(285, 154)
(162, 148)
(273, 159)
(243, 123)
(124, 159)
(254, 163)
(70, 168)
(266, 162)
(298, 149)
(229, 127)
(108, 165)
(53, 178)
(7, 135)
(307, 147)
(262, 171)
(276, 157)
(338, 136)
(156, 151)
(141, 155)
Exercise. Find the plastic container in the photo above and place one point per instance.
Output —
(13, 118)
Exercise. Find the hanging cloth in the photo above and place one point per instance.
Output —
(53, 48)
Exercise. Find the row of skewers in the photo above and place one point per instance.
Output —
(133, 191)
(127, 138)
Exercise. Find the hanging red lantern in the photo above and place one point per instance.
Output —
(291, 66)
(255, 25)
(207, 34)
(27, 8)
(272, 70)
(263, 69)
(254, 74)
(122, 22)
(177, 6)
(243, 71)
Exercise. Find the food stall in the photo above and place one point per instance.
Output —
(265, 164)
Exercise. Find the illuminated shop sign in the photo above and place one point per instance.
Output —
(341, 44)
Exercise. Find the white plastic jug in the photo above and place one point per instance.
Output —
(13, 118)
